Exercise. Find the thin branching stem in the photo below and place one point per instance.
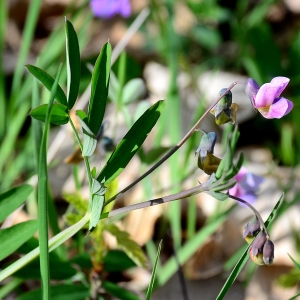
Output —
(262, 223)
(181, 195)
(176, 147)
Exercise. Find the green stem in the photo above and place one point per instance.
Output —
(86, 161)
(43, 199)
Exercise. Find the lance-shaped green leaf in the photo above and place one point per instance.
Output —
(131, 143)
(89, 138)
(119, 292)
(48, 82)
(98, 192)
(13, 237)
(73, 63)
(99, 89)
(59, 292)
(59, 114)
(12, 199)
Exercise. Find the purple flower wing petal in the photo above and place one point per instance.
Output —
(251, 182)
(266, 95)
(279, 109)
(248, 197)
(125, 9)
(281, 82)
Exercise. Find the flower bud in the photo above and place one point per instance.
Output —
(258, 244)
(268, 252)
(206, 160)
(225, 110)
(256, 248)
(210, 164)
(251, 229)
(251, 89)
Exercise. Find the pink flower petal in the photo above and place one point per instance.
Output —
(242, 172)
(266, 95)
(281, 82)
(108, 8)
(279, 109)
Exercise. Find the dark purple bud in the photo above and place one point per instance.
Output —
(252, 227)
(251, 89)
(268, 252)
(258, 244)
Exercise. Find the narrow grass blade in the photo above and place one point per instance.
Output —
(131, 143)
(12, 199)
(43, 198)
(295, 297)
(13, 237)
(233, 275)
(11, 286)
(31, 20)
(151, 285)
(73, 63)
(297, 265)
(3, 20)
(9, 141)
(48, 82)
(99, 92)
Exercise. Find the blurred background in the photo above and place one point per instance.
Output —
(184, 52)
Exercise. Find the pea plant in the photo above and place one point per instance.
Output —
(228, 179)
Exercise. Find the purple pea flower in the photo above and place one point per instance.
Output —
(108, 8)
(266, 99)
(246, 186)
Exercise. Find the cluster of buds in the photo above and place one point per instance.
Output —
(268, 101)
(261, 248)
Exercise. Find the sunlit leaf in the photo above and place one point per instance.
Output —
(73, 63)
(12, 199)
(99, 89)
(59, 114)
(131, 143)
(48, 82)
(13, 237)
